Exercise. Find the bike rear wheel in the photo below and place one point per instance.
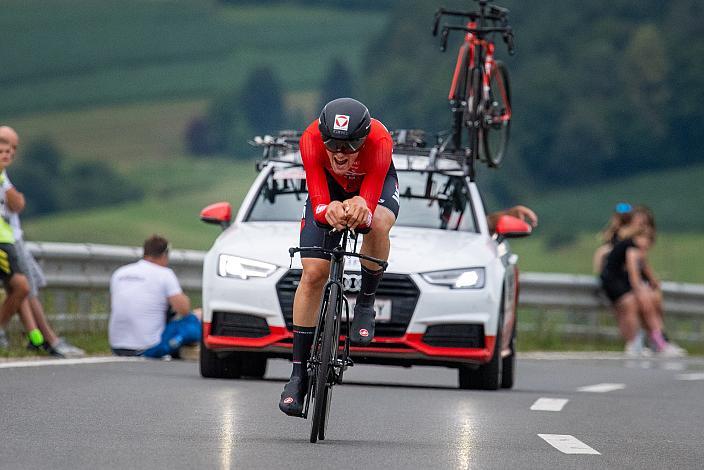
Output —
(323, 380)
(496, 121)
(472, 119)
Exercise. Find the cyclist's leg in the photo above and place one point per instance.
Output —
(306, 304)
(375, 244)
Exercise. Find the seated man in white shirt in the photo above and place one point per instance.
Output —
(141, 294)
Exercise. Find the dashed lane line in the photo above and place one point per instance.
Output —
(568, 444)
(691, 376)
(549, 404)
(601, 388)
(67, 362)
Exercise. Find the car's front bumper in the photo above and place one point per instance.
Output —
(417, 308)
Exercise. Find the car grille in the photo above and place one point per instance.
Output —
(399, 288)
(458, 335)
(238, 324)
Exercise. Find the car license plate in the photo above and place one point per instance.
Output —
(382, 307)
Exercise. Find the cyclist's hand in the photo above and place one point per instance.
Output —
(357, 212)
(335, 215)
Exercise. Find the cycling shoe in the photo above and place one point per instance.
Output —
(293, 396)
(362, 327)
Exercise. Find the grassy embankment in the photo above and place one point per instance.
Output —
(69, 53)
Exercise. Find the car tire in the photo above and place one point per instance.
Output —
(214, 367)
(508, 370)
(487, 376)
(253, 365)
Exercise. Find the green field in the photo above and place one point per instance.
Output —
(119, 81)
(144, 142)
(673, 195)
(74, 53)
(675, 256)
(180, 187)
(123, 135)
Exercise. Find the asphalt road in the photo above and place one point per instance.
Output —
(145, 414)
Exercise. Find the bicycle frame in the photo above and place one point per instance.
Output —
(475, 56)
(337, 269)
(474, 52)
(477, 51)
(340, 360)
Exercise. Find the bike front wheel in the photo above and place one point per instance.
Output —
(323, 379)
(496, 121)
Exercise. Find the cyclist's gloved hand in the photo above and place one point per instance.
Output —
(357, 213)
(336, 216)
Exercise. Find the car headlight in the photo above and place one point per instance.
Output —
(243, 268)
(465, 278)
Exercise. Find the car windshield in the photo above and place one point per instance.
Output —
(428, 200)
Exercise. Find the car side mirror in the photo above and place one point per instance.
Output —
(219, 213)
(512, 227)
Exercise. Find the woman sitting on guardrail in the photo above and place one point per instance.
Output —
(630, 283)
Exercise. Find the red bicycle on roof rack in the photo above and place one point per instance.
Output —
(480, 96)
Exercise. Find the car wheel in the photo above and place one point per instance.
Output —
(487, 376)
(508, 371)
(212, 366)
(253, 365)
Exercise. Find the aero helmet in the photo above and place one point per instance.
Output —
(344, 124)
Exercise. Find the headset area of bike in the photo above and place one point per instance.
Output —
(328, 361)
(479, 94)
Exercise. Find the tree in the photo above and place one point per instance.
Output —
(338, 83)
(37, 174)
(261, 101)
(49, 186)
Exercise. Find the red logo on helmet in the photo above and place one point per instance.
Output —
(342, 122)
(363, 332)
(288, 400)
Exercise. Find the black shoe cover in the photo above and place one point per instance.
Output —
(293, 396)
(362, 332)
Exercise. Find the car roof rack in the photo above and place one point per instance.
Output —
(283, 148)
(409, 144)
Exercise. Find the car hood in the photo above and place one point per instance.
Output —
(412, 249)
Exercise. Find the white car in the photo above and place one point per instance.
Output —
(448, 297)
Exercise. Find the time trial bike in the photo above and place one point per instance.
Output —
(330, 355)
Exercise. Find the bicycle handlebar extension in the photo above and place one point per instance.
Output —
(339, 252)
(496, 14)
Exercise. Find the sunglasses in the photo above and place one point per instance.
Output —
(344, 146)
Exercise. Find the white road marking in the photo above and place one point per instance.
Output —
(67, 362)
(692, 376)
(602, 388)
(568, 444)
(549, 404)
(572, 355)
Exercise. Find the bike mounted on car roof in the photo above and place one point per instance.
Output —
(480, 96)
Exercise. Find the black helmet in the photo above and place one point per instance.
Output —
(344, 123)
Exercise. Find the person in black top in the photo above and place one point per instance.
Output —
(629, 282)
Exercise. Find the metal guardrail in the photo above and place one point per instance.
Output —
(87, 265)
(582, 292)
(78, 278)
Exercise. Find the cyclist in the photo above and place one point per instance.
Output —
(351, 183)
